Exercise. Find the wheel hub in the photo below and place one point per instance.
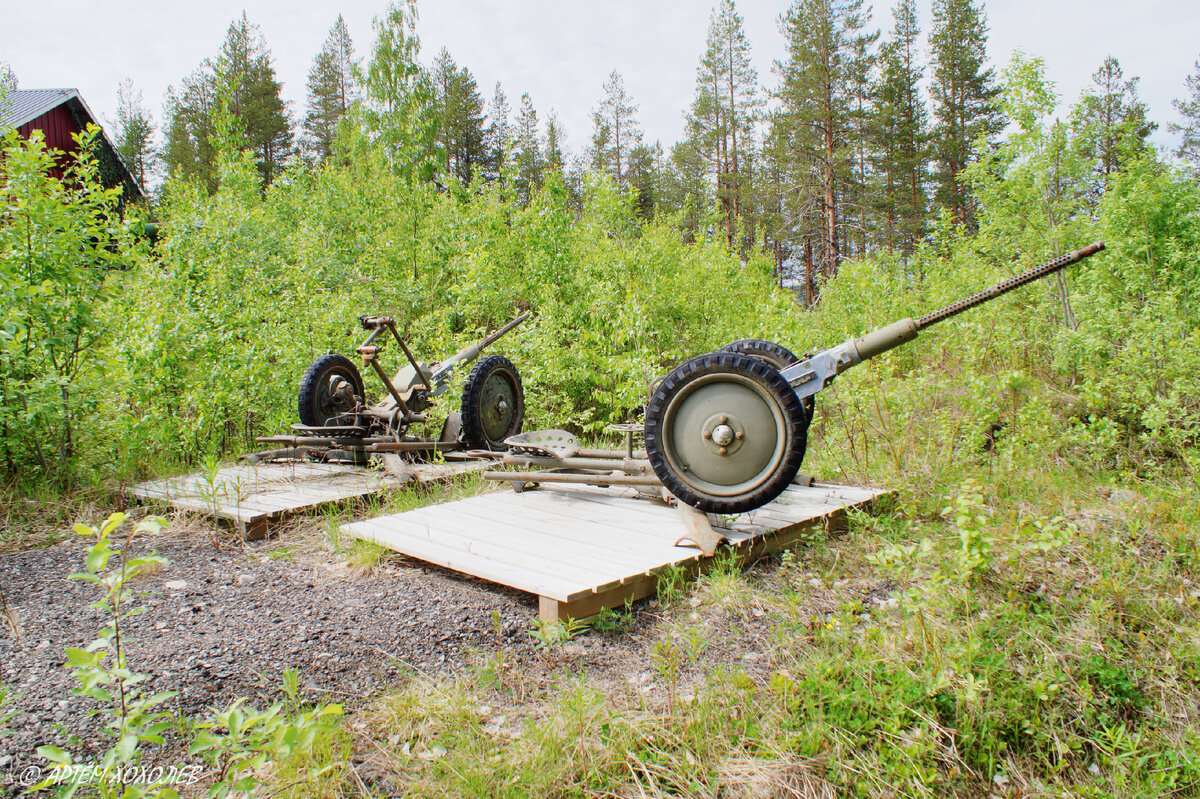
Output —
(742, 434)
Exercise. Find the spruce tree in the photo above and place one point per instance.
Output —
(1110, 122)
(498, 135)
(529, 164)
(1189, 109)
(331, 89)
(554, 157)
(134, 132)
(964, 98)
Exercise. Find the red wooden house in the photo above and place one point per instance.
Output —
(60, 113)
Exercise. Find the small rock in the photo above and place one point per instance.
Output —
(574, 650)
(1000, 780)
(246, 579)
(1094, 769)
(1123, 497)
(175, 585)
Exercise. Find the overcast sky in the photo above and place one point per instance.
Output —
(559, 51)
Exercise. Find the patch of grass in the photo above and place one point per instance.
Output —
(1037, 637)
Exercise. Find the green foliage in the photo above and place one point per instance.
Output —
(548, 634)
(240, 740)
(61, 247)
(134, 717)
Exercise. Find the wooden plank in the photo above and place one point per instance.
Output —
(495, 569)
(531, 555)
(569, 548)
(649, 530)
(585, 548)
(255, 494)
(583, 531)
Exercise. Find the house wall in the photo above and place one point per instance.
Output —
(57, 125)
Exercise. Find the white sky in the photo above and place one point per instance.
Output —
(559, 51)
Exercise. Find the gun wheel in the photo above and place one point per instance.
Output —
(493, 404)
(776, 355)
(725, 432)
(328, 388)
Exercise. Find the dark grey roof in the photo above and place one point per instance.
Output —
(25, 105)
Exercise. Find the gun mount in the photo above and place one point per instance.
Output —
(726, 432)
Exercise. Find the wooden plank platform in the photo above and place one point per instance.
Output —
(581, 548)
(251, 498)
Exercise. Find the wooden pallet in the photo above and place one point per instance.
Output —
(581, 549)
(252, 498)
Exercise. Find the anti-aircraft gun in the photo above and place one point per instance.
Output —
(726, 432)
(339, 423)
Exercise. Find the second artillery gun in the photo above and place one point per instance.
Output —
(726, 432)
(339, 423)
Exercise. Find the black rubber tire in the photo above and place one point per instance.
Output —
(777, 355)
(475, 420)
(312, 405)
(745, 367)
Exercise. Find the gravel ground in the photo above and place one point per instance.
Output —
(223, 623)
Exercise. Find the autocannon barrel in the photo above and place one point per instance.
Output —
(818, 370)
(471, 352)
(897, 333)
(1005, 286)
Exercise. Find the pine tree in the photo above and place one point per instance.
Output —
(825, 39)
(902, 135)
(615, 129)
(1110, 122)
(188, 152)
(256, 97)
(862, 111)
(244, 77)
(723, 113)
(964, 97)
(529, 164)
(331, 89)
(460, 134)
(134, 132)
